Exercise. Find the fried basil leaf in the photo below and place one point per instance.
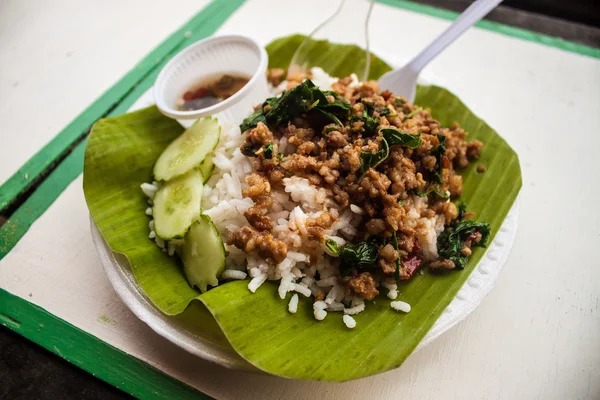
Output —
(435, 189)
(452, 240)
(462, 208)
(253, 119)
(268, 151)
(412, 113)
(370, 124)
(362, 255)
(371, 160)
(332, 246)
(395, 136)
(297, 101)
(384, 112)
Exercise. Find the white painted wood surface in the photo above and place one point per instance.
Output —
(537, 335)
(58, 56)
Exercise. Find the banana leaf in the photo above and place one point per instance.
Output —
(120, 155)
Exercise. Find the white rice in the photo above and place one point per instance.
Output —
(256, 282)
(298, 201)
(302, 289)
(349, 321)
(234, 274)
(321, 79)
(319, 310)
(355, 310)
(400, 306)
(356, 209)
(293, 305)
(332, 280)
(392, 288)
(149, 189)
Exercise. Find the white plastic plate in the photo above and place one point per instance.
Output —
(471, 294)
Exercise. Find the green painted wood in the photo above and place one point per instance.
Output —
(497, 27)
(90, 353)
(45, 194)
(201, 25)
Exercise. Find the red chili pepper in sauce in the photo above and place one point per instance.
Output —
(412, 263)
(416, 246)
(188, 96)
(386, 95)
(474, 236)
(445, 162)
(201, 92)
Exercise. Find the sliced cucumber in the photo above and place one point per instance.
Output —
(188, 150)
(203, 254)
(177, 205)
(206, 168)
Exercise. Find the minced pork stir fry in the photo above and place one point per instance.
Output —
(387, 160)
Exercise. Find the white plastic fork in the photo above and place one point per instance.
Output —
(403, 81)
(302, 60)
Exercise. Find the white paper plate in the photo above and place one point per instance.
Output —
(117, 269)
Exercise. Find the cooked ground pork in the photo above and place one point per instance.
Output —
(336, 154)
(362, 285)
(249, 240)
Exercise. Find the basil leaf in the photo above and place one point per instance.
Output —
(363, 254)
(252, 120)
(370, 124)
(332, 246)
(330, 129)
(412, 113)
(462, 208)
(329, 116)
(384, 112)
(396, 137)
(268, 150)
(435, 189)
(297, 101)
(452, 240)
(291, 104)
(368, 107)
(371, 160)
(249, 151)
(313, 105)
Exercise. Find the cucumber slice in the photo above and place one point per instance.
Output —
(206, 168)
(177, 205)
(188, 150)
(203, 254)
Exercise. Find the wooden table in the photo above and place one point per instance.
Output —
(537, 335)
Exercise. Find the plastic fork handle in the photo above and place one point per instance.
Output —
(475, 12)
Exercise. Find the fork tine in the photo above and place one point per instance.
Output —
(300, 60)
